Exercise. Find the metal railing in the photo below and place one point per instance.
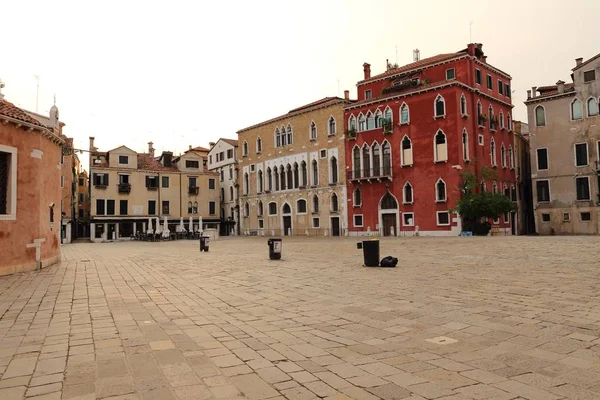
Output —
(370, 173)
(124, 187)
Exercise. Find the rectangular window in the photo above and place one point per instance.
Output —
(123, 159)
(110, 207)
(589, 76)
(358, 221)
(586, 216)
(450, 74)
(151, 181)
(543, 191)
(151, 207)
(477, 76)
(583, 188)
(80, 181)
(545, 217)
(81, 197)
(408, 219)
(165, 182)
(122, 207)
(62, 181)
(192, 164)
(507, 92)
(272, 208)
(490, 82)
(192, 182)
(368, 94)
(581, 155)
(480, 140)
(443, 218)
(80, 213)
(165, 207)
(323, 154)
(542, 159)
(229, 154)
(100, 207)
(230, 173)
(212, 207)
(316, 223)
(211, 183)
(123, 179)
(252, 168)
(261, 224)
(500, 87)
(566, 217)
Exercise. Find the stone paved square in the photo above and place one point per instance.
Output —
(518, 318)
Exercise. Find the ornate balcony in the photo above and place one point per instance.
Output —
(124, 188)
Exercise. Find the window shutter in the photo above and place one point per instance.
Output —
(106, 179)
(95, 178)
(147, 181)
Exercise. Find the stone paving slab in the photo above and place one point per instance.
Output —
(460, 318)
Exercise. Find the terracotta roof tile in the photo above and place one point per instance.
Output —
(199, 148)
(552, 90)
(408, 90)
(10, 110)
(586, 62)
(149, 163)
(232, 142)
(415, 65)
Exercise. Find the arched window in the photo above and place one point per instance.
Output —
(296, 176)
(501, 120)
(189, 207)
(334, 203)
(245, 149)
(357, 198)
(576, 112)
(508, 122)
(493, 152)
(331, 125)
(334, 170)
(315, 173)
(463, 105)
(387, 114)
(282, 178)
(540, 116)
(246, 209)
(315, 204)
(303, 173)
(277, 138)
(286, 209)
(195, 208)
(407, 154)
(313, 131)
(440, 191)
(246, 183)
(480, 119)
(407, 193)
(269, 179)
(231, 193)
(494, 187)
(258, 144)
(387, 158)
(592, 107)
(356, 162)
(290, 136)
(482, 186)
(465, 144)
(290, 177)
(301, 206)
(376, 160)
(439, 107)
(260, 209)
(370, 121)
(260, 181)
(388, 202)
(506, 191)
(492, 123)
(378, 116)
(222, 194)
(511, 159)
(276, 178)
(352, 122)
(503, 156)
(404, 114)
(441, 147)
(366, 161)
(361, 122)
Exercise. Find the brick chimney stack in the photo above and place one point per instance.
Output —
(533, 91)
(92, 148)
(367, 70)
(346, 94)
(578, 61)
(560, 86)
(150, 149)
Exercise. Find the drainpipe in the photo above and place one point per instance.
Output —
(180, 196)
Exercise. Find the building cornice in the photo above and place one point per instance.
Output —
(31, 127)
(149, 171)
(540, 99)
(488, 66)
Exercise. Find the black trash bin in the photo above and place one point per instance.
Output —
(274, 248)
(370, 250)
(204, 241)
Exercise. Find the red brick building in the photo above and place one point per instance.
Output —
(414, 130)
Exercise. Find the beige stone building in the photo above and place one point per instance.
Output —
(222, 159)
(132, 192)
(564, 125)
(292, 172)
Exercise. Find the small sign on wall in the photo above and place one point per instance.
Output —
(137, 210)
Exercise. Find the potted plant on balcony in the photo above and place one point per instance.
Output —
(351, 133)
(386, 124)
(482, 119)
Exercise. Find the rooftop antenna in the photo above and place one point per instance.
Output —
(416, 55)
(54, 98)
(396, 54)
(470, 26)
(1, 87)
(37, 95)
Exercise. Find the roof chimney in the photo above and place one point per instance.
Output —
(367, 70)
(560, 86)
(211, 144)
(167, 157)
(346, 94)
(1, 87)
(578, 61)
(416, 55)
(533, 91)
(189, 147)
(528, 94)
(92, 148)
(387, 64)
(150, 149)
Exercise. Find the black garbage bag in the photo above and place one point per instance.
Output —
(389, 262)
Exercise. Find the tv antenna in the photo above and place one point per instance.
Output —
(470, 37)
(37, 94)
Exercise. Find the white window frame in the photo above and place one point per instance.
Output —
(571, 109)
(11, 201)
(435, 116)
(321, 156)
(537, 159)
(435, 153)
(549, 192)
(587, 153)
(407, 122)
(445, 199)
(410, 223)
(466, 113)
(566, 217)
(437, 218)
(119, 159)
(587, 107)
(535, 115)
(245, 149)
(480, 140)
(501, 120)
(258, 140)
(412, 191)
(318, 219)
(310, 130)
(329, 133)
(588, 185)
(402, 162)
(305, 207)
(454, 71)
(354, 204)
(368, 94)
(503, 151)
(269, 208)
(465, 144)
(354, 220)
(493, 153)
(511, 157)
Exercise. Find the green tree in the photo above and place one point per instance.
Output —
(475, 206)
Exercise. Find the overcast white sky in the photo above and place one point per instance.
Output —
(189, 72)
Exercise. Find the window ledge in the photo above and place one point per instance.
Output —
(481, 126)
(406, 165)
(356, 205)
(315, 213)
(407, 202)
(440, 201)
(440, 161)
(331, 134)
(439, 116)
(404, 123)
(467, 160)
(313, 139)
(8, 217)
(492, 130)
(464, 115)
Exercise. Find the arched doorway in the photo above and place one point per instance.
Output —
(388, 215)
(286, 216)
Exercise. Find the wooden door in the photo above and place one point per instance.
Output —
(287, 225)
(335, 226)
(389, 221)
